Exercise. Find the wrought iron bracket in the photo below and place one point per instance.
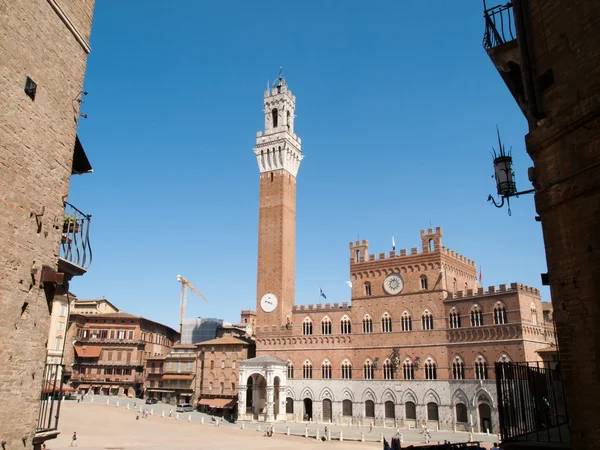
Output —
(507, 198)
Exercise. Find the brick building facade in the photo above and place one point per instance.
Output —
(551, 64)
(44, 46)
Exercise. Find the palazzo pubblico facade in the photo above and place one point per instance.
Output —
(418, 341)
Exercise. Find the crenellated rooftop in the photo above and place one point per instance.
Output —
(492, 290)
(321, 307)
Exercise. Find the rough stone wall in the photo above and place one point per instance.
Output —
(37, 139)
(564, 147)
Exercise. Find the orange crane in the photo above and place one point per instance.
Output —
(184, 285)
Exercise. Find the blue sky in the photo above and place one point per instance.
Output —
(397, 106)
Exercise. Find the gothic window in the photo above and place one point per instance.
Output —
(370, 408)
(347, 408)
(499, 314)
(307, 370)
(431, 245)
(432, 411)
(476, 316)
(275, 117)
(345, 325)
(390, 410)
(481, 368)
(410, 411)
(369, 370)
(427, 319)
(504, 358)
(346, 370)
(388, 370)
(454, 318)
(423, 282)
(326, 370)
(386, 323)
(430, 369)
(368, 289)
(367, 324)
(408, 369)
(326, 326)
(290, 370)
(406, 321)
(461, 413)
(533, 314)
(307, 327)
(458, 369)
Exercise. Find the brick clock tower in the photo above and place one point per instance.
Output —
(278, 153)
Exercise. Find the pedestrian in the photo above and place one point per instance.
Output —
(74, 439)
(495, 447)
(371, 427)
(170, 412)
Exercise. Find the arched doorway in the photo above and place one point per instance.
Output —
(289, 408)
(370, 409)
(432, 412)
(249, 391)
(327, 410)
(485, 417)
(307, 409)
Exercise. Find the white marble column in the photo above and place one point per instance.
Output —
(270, 402)
(255, 400)
(282, 404)
(242, 402)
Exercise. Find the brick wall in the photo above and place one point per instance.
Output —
(37, 139)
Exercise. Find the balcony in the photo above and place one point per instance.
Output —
(107, 340)
(75, 249)
(531, 406)
(502, 46)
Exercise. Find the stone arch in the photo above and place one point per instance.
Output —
(459, 396)
(289, 392)
(307, 393)
(347, 394)
(326, 393)
(368, 394)
(431, 396)
(388, 395)
(409, 396)
(483, 396)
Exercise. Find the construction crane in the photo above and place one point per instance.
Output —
(184, 285)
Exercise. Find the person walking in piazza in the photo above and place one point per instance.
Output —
(74, 439)
(371, 427)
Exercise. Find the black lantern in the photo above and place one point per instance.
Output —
(505, 177)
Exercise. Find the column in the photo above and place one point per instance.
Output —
(270, 403)
(242, 402)
(255, 400)
(282, 404)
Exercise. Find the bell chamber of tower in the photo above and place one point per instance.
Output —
(278, 154)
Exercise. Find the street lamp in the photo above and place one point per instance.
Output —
(505, 177)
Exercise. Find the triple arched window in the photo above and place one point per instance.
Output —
(307, 369)
(368, 370)
(345, 325)
(290, 370)
(367, 324)
(388, 370)
(499, 314)
(458, 369)
(481, 368)
(430, 369)
(326, 370)
(476, 316)
(427, 319)
(406, 321)
(454, 318)
(307, 327)
(408, 369)
(346, 370)
(326, 326)
(386, 323)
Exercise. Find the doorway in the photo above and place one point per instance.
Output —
(307, 409)
(485, 417)
(327, 413)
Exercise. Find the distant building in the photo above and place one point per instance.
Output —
(198, 330)
(100, 306)
(171, 378)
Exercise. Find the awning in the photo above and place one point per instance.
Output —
(50, 388)
(83, 386)
(88, 352)
(224, 403)
(178, 377)
(114, 387)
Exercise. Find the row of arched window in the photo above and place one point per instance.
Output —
(407, 369)
(476, 319)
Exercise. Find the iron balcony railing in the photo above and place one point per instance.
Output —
(52, 393)
(75, 240)
(499, 25)
(531, 403)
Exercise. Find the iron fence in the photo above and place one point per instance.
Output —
(531, 403)
(499, 25)
(50, 398)
(75, 241)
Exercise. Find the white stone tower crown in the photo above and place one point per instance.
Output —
(278, 147)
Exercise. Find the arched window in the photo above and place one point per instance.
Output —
(481, 368)
(423, 281)
(347, 408)
(275, 117)
(432, 411)
(288, 122)
(390, 410)
(408, 369)
(504, 358)
(461, 413)
(430, 369)
(533, 314)
(476, 316)
(290, 370)
(368, 370)
(388, 370)
(369, 408)
(289, 405)
(458, 369)
(454, 318)
(427, 319)
(431, 246)
(386, 323)
(326, 326)
(346, 370)
(368, 289)
(345, 325)
(499, 314)
(307, 326)
(367, 324)
(410, 411)
(307, 370)
(326, 370)
(406, 321)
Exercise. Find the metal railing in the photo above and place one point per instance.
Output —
(75, 240)
(52, 393)
(531, 403)
(499, 25)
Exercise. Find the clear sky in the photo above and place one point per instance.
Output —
(397, 106)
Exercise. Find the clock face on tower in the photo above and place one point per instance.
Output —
(393, 284)
(268, 302)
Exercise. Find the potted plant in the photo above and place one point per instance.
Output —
(71, 225)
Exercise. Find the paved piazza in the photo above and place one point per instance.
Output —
(108, 427)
